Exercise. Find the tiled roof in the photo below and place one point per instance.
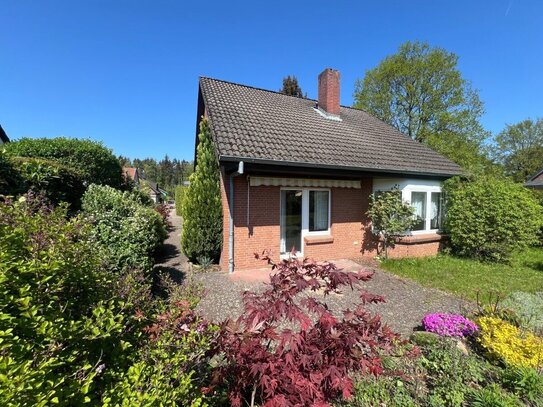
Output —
(265, 126)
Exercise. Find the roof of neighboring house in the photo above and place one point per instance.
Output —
(536, 180)
(267, 127)
(3, 136)
(130, 172)
(154, 187)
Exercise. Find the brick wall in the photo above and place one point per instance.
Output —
(257, 226)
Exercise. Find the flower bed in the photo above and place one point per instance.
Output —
(449, 325)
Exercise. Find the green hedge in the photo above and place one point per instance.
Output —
(488, 218)
(96, 162)
(127, 230)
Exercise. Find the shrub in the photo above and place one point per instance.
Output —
(202, 208)
(276, 354)
(96, 162)
(173, 367)
(128, 231)
(528, 307)
(390, 216)
(506, 342)
(488, 218)
(164, 211)
(449, 325)
(179, 196)
(61, 329)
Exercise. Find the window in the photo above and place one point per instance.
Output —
(318, 210)
(418, 201)
(428, 210)
(304, 212)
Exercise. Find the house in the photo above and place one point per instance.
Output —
(298, 173)
(4, 139)
(156, 193)
(133, 174)
(535, 181)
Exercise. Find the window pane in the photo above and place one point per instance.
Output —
(435, 214)
(418, 201)
(291, 222)
(318, 210)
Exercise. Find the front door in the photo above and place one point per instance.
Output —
(291, 220)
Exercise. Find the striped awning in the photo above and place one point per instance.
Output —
(303, 182)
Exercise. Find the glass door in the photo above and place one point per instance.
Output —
(291, 220)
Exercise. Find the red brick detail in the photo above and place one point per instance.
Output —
(329, 91)
(258, 228)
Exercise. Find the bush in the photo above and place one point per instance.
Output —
(391, 217)
(507, 343)
(62, 330)
(528, 308)
(283, 351)
(128, 231)
(202, 208)
(96, 162)
(179, 196)
(449, 325)
(488, 218)
(173, 367)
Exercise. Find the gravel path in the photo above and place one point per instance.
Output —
(170, 260)
(406, 301)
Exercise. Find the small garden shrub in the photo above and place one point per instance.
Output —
(202, 207)
(276, 354)
(96, 162)
(492, 396)
(164, 211)
(449, 325)
(488, 218)
(391, 217)
(128, 231)
(528, 307)
(506, 342)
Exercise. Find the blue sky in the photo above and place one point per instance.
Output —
(126, 72)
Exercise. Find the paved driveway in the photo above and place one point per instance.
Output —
(407, 301)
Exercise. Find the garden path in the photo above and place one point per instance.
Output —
(170, 259)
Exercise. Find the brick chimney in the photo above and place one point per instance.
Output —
(329, 91)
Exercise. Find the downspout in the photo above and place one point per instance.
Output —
(231, 211)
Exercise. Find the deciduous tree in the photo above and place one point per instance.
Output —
(420, 91)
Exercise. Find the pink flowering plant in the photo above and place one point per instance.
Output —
(449, 325)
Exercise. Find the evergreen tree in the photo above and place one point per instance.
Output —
(202, 211)
(291, 87)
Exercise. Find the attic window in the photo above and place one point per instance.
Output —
(327, 115)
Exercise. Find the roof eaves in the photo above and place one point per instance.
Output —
(443, 174)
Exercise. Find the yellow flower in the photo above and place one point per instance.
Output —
(506, 342)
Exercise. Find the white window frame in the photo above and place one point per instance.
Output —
(305, 216)
(428, 219)
(407, 187)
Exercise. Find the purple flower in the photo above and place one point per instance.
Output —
(449, 325)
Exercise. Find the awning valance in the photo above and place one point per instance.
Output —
(303, 182)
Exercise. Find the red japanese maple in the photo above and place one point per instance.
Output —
(288, 349)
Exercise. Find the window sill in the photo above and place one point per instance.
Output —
(428, 237)
(309, 240)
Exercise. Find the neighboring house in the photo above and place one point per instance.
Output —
(155, 192)
(133, 174)
(4, 139)
(535, 181)
(299, 173)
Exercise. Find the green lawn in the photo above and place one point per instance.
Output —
(465, 277)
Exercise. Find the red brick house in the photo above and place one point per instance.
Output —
(298, 173)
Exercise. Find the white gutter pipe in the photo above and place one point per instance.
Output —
(231, 211)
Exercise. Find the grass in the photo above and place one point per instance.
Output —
(465, 277)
